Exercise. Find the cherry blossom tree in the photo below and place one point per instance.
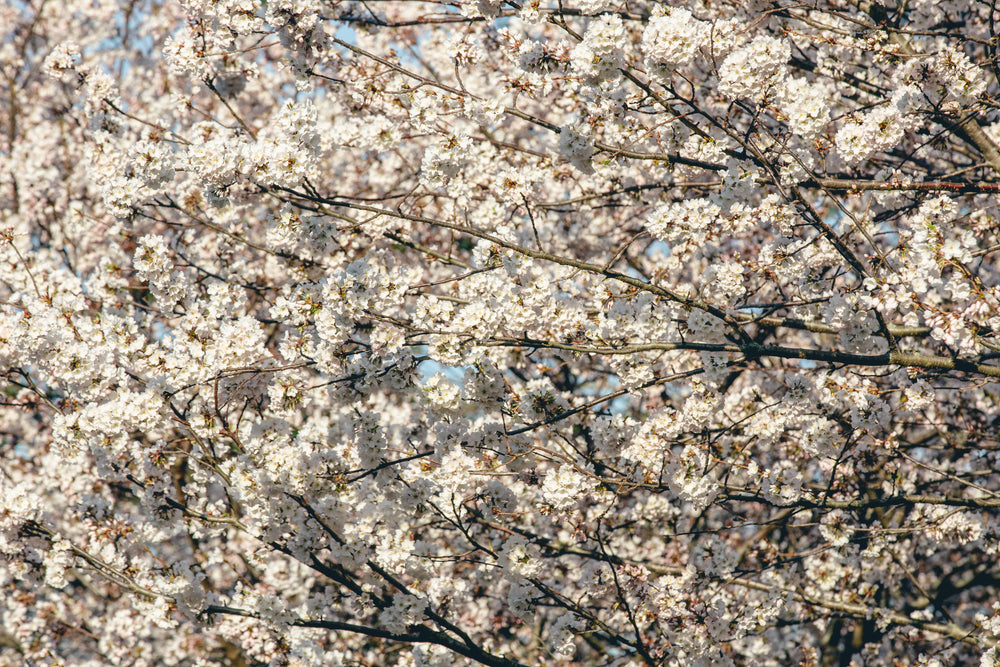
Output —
(496, 332)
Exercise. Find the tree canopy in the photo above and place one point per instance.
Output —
(501, 332)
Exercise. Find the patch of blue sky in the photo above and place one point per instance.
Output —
(429, 367)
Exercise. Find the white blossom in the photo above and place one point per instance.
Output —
(600, 54)
(418, 334)
(755, 69)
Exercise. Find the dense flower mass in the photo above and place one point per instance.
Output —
(505, 333)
